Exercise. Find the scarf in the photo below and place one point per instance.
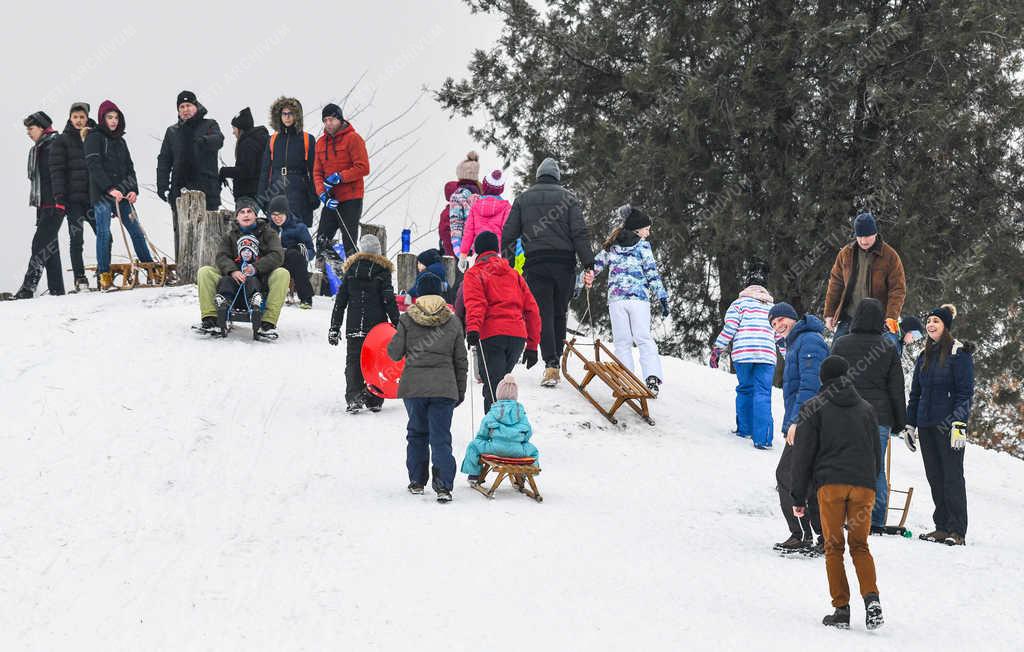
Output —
(34, 196)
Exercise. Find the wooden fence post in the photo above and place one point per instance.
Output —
(380, 231)
(199, 234)
(406, 271)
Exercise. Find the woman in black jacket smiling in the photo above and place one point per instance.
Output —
(938, 412)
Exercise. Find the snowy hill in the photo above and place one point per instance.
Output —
(163, 491)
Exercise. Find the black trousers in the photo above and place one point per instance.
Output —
(944, 468)
(297, 266)
(802, 528)
(355, 384)
(78, 215)
(227, 287)
(349, 213)
(46, 253)
(501, 353)
(552, 285)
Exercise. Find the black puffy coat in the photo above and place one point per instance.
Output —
(245, 173)
(836, 441)
(109, 161)
(68, 173)
(875, 367)
(550, 221)
(188, 158)
(366, 296)
(288, 169)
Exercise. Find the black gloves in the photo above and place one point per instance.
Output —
(473, 339)
(529, 358)
(332, 337)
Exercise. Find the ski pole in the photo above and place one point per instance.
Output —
(345, 227)
(487, 375)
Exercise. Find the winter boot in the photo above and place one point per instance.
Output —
(305, 305)
(415, 488)
(789, 544)
(106, 281)
(840, 619)
(936, 536)
(954, 539)
(872, 612)
(794, 545)
(223, 307)
(653, 384)
(444, 496)
(551, 377)
(24, 294)
(268, 331)
(354, 406)
(81, 284)
(473, 480)
(210, 327)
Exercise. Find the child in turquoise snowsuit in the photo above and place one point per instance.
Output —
(505, 430)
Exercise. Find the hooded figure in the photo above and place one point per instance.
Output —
(287, 165)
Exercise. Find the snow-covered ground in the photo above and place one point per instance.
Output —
(166, 492)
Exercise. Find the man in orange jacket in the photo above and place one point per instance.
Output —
(339, 165)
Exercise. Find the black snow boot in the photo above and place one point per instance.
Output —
(840, 619)
(792, 544)
(873, 612)
(415, 488)
(653, 384)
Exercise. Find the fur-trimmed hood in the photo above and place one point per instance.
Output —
(373, 258)
(285, 102)
(430, 311)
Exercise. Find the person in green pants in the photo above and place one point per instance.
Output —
(267, 264)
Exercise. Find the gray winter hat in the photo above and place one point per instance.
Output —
(369, 244)
(80, 106)
(549, 167)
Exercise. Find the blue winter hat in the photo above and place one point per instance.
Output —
(782, 309)
(864, 225)
(429, 283)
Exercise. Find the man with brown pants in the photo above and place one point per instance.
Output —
(837, 448)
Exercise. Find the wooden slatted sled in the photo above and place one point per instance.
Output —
(519, 470)
(626, 388)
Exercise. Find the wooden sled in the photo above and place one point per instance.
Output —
(519, 470)
(125, 276)
(626, 388)
(909, 493)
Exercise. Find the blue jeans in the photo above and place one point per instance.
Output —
(103, 211)
(429, 438)
(879, 512)
(754, 401)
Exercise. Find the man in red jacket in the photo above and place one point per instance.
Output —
(339, 166)
(501, 315)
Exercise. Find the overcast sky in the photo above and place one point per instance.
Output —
(232, 56)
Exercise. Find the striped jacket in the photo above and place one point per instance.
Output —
(748, 329)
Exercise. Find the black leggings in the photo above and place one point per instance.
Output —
(45, 253)
(552, 285)
(501, 353)
(296, 265)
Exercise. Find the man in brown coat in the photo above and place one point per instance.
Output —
(865, 268)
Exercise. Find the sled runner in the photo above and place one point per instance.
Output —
(519, 470)
(626, 388)
(900, 529)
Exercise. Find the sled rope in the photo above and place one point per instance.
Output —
(124, 236)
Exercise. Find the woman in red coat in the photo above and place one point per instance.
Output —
(502, 317)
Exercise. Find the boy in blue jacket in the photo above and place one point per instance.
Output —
(804, 350)
(298, 248)
(504, 431)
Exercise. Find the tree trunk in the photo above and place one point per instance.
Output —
(200, 233)
(406, 271)
(450, 266)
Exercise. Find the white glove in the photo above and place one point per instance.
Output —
(910, 438)
(958, 435)
(463, 263)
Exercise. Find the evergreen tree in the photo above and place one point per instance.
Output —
(757, 130)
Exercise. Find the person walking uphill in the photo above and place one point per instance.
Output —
(340, 165)
(188, 158)
(432, 385)
(488, 213)
(365, 298)
(554, 235)
(287, 165)
(113, 187)
(837, 454)
(250, 141)
(749, 332)
(502, 318)
(866, 267)
(70, 180)
(877, 375)
(938, 412)
(49, 213)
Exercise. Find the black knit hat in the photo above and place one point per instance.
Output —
(429, 283)
(279, 204)
(635, 220)
(484, 242)
(186, 96)
(39, 119)
(864, 225)
(911, 323)
(243, 121)
(246, 202)
(947, 313)
(832, 368)
(332, 110)
(429, 257)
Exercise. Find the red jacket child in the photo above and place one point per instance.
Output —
(498, 301)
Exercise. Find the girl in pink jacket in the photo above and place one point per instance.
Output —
(488, 213)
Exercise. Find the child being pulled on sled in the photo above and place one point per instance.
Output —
(504, 431)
